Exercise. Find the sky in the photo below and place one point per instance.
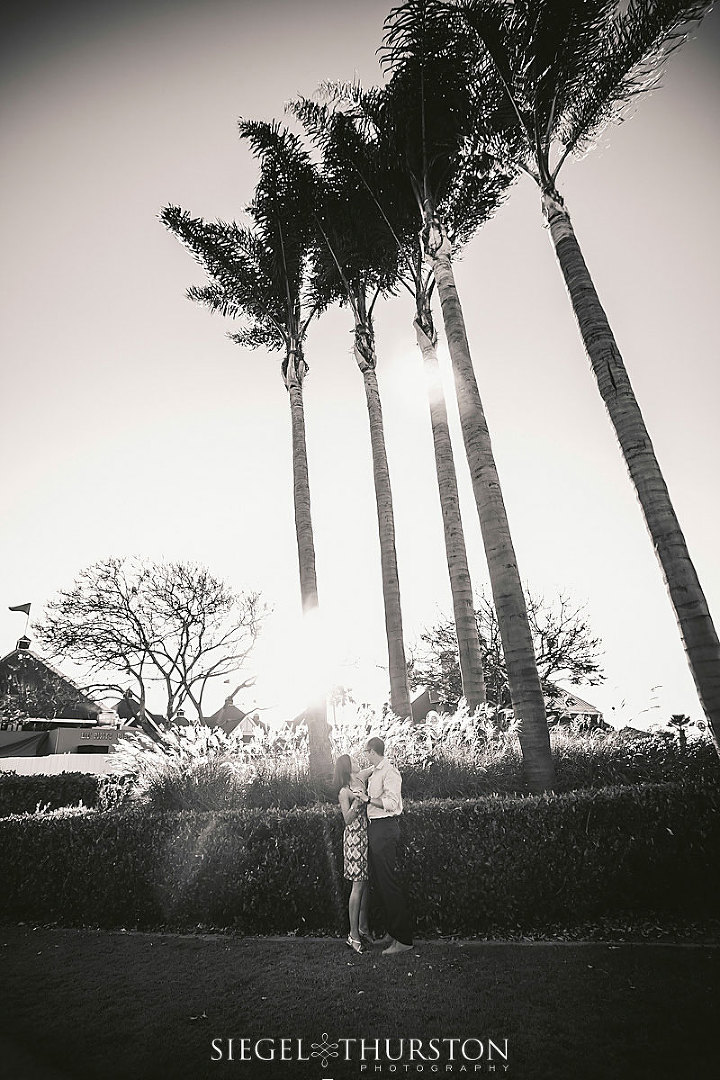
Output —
(131, 424)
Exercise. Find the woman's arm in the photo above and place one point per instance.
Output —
(350, 806)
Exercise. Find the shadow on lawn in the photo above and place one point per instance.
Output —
(86, 1005)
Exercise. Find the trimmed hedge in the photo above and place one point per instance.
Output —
(526, 864)
(471, 866)
(256, 871)
(20, 794)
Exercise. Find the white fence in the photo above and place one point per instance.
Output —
(56, 763)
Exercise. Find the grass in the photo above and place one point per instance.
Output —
(84, 1005)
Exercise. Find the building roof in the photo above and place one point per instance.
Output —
(570, 704)
(25, 674)
(128, 708)
(423, 702)
(558, 701)
(227, 717)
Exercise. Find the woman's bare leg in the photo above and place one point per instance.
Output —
(362, 915)
(354, 902)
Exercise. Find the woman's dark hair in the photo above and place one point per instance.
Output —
(343, 769)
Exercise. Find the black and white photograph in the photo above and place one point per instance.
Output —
(359, 673)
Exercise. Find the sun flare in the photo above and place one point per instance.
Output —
(303, 658)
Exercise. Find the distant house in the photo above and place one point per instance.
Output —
(228, 717)
(231, 719)
(31, 688)
(561, 706)
(426, 701)
(129, 713)
(42, 711)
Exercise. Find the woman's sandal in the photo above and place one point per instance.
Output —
(354, 944)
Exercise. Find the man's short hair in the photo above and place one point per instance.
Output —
(377, 745)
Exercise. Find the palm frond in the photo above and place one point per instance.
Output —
(315, 118)
(497, 24)
(283, 207)
(252, 332)
(234, 258)
(358, 214)
(566, 67)
(445, 107)
(258, 335)
(214, 297)
(414, 28)
(627, 60)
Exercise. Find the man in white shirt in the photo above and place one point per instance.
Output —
(384, 807)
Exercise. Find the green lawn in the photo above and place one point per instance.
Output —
(88, 1005)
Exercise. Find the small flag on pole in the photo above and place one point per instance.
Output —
(25, 608)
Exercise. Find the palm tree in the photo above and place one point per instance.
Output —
(469, 650)
(431, 111)
(355, 262)
(563, 69)
(258, 275)
(375, 196)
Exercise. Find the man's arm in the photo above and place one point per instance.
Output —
(389, 799)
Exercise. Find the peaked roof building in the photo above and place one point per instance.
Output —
(228, 717)
(33, 688)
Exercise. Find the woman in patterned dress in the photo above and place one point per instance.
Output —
(352, 798)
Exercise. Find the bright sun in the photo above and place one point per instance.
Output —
(300, 659)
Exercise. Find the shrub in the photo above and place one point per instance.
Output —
(24, 794)
(21, 794)
(195, 767)
(606, 758)
(254, 871)
(458, 756)
(472, 866)
(471, 755)
(528, 863)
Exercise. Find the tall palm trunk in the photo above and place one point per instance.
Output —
(470, 656)
(691, 610)
(294, 371)
(366, 360)
(525, 690)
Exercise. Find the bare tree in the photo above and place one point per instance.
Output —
(565, 648)
(160, 625)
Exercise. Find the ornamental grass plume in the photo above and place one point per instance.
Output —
(446, 756)
(191, 767)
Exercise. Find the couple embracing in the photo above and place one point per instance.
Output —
(372, 832)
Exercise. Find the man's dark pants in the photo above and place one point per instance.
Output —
(383, 839)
